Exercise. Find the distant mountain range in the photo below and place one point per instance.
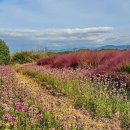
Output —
(121, 47)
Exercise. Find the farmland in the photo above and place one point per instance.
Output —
(83, 90)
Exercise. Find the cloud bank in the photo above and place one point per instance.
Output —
(63, 38)
(89, 34)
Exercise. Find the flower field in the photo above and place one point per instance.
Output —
(17, 108)
(100, 100)
(24, 104)
(99, 64)
(76, 91)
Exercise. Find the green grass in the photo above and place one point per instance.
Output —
(126, 68)
(100, 100)
(23, 119)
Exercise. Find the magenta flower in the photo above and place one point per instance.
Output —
(39, 117)
(25, 109)
(21, 107)
(6, 117)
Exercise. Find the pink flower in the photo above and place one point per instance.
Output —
(14, 119)
(21, 107)
(6, 117)
(39, 117)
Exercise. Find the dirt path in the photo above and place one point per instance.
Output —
(63, 108)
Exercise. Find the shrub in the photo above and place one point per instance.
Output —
(67, 60)
(115, 63)
(4, 53)
(25, 57)
(61, 61)
(46, 61)
(89, 59)
(98, 61)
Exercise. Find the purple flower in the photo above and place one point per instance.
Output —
(6, 117)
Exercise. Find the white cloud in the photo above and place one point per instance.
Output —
(94, 34)
(63, 38)
(79, 30)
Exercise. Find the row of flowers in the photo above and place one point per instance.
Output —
(114, 78)
(17, 108)
(119, 80)
(101, 95)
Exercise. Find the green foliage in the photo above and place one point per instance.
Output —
(25, 57)
(126, 68)
(48, 121)
(47, 54)
(4, 53)
(98, 99)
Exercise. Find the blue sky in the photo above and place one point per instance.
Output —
(63, 24)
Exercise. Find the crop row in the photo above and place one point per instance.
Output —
(101, 60)
(18, 108)
(111, 67)
(101, 100)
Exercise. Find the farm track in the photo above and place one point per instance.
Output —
(63, 108)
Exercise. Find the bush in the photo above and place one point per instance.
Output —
(4, 53)
(25, 57)
(85, 59)
(61, 61)
(46, 61)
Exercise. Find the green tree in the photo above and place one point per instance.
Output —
(23, 57)
(4, 53)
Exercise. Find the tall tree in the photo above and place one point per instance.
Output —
(4, 53)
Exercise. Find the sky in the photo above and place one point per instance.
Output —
(64, 24)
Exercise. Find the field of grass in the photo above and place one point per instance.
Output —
(86, 90)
